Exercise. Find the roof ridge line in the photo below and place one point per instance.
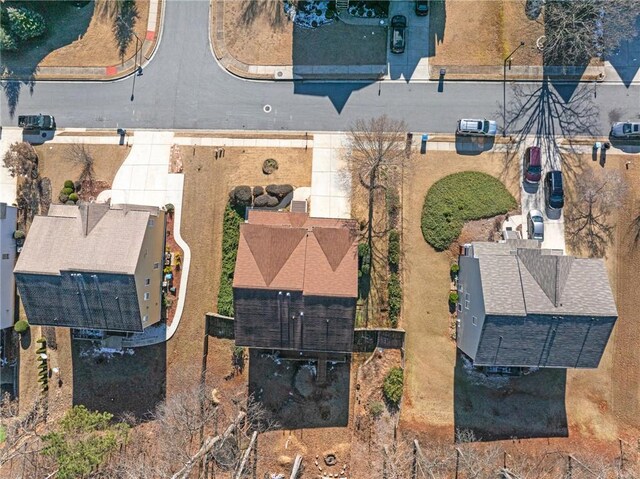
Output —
(524, 299)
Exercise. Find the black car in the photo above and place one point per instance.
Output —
(553, 190)
(422, 7)
(398, 33)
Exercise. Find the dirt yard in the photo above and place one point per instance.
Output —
(483, 33)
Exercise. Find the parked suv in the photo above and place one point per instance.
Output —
(532, 165)
(398, 33)
(482, 127)
(553, 190)
(625, 130)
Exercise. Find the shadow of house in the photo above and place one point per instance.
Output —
(65, 23)
(289, 390)
(503, 407)
(338, 51)
(626, 58)
(437, 22)
(131, 381)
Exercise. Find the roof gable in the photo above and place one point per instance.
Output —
(271, 247)
(335, 243)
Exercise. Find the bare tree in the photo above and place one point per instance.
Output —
(21, 160)
(80, 155)
(376, 160)
(578, 30)
(596, 196)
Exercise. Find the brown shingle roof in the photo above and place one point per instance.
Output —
(291, 251)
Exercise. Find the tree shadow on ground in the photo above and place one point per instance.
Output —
(289, 391)
(133, 382)
(65, 24)
(124, 22)
(273, 9)
(538, 110)
(503, 407)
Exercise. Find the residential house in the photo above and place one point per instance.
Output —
(8, 221)
(296, 283)
(93, 266)
(520, 305)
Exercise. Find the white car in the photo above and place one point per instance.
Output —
(535, 224)
(625, 130)
(483, 127)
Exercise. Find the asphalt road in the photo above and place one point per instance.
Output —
(183, 87)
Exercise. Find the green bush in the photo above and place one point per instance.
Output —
(392, 387)
(25, 23)
(7, 41)
(376, 408)
(394, 249)
(169, 208)
(66, 191)
(230, 238)
(394, 289)
(73, 197)
(453, 297)
(363, 250)
(461, 197)
(455, 267)
(18, 234)
(21, 326)
(69, 184)
(41, 341)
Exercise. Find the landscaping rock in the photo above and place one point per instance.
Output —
(257, 191)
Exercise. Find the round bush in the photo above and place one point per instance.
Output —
(18, 234)
(392, 387)
(279, 191)
(73, 197)
(169, 208)
(25, 23)
(63, 198)
(7, 42)
(67, 191)
(269, 166)
(257, 191)
(454, 199)
(69, 184)
(453, 297)
(241, 195)
(21, 326)
(266, 200)
(455, 268)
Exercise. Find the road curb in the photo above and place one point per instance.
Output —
(111, 72)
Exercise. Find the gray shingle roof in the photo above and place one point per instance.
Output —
(91, 237)
(535, 281)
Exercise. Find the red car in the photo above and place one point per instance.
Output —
(532, 165)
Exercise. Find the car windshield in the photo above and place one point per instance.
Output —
(486, 126)
(537, 219)
(535, 169)
(557, 197)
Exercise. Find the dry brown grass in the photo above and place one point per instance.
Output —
(53, 163)
(258, 41)
(97, 46)
(484, 32)
(431, 353)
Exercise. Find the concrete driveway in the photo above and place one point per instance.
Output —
(330, 185)
(532, 198)
(413, 64)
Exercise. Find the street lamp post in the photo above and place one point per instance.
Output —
(504, 89)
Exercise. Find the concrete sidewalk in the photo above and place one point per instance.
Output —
(8, 184)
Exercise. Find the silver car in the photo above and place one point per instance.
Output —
(535, 223)
(481, 127)
(625, 130)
